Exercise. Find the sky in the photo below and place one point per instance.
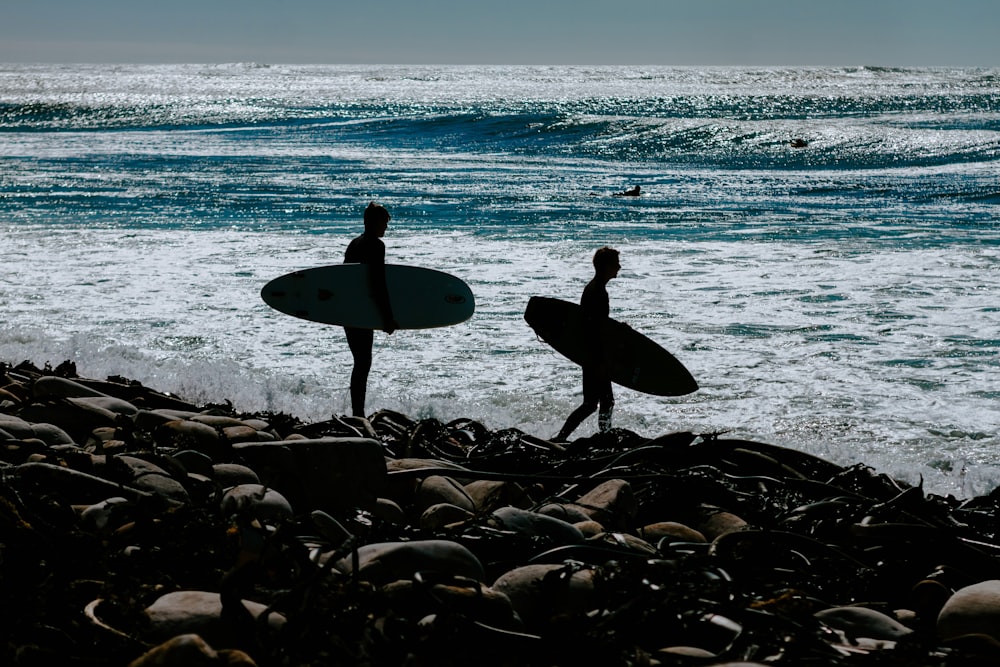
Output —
(892, 33)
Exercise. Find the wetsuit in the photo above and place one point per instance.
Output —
(366, 249)
(597, 390)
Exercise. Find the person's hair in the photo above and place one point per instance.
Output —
(605, 256)
(376, 214)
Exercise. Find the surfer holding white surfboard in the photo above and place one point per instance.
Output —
(365, 294)
(597, 392)
(369, 249)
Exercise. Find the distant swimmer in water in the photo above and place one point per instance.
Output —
(631, 192)
(798, 143)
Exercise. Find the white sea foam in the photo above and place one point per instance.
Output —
(868, 358)
(838, 299)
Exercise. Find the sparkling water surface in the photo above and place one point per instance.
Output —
(839, 298)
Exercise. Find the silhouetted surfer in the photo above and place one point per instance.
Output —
(634, 191)
(369, 249)
(596, 307)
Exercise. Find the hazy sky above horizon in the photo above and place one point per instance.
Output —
(898, 33)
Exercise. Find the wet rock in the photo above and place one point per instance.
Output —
(390, 561)
(256, 501)
(474, 600)
(190, 650)
(440, 515)
(671, 530)
(566, 512)
(680, 549)
(187, 434)
(537, 525)
(201, 613)
(611, 504)
(437, 489)
(233, 474)
(50, 434)
(489, 494)
(972, 610)
(721, 523)
(539, 592)
(859, 622)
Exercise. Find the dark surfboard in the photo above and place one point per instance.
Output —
(637, 362)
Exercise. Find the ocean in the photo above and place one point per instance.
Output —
(838, 297)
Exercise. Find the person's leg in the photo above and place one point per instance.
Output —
(575, 419)
(591, 398)
(607, 405)
(360, 341)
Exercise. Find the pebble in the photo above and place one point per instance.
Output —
(391, 540)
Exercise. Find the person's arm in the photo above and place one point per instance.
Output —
(380, 290)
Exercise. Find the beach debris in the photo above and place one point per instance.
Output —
(137, 528)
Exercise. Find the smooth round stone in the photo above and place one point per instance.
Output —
(106, 403)
(216, 421)
(148, 420)
(687, 651)
(863, 622)
(107, 515)
(244, 433)
(389, 511)
(163, 486)
(233, 474)
(482, 603)
(438, 516)
(536, 601)
(194, 462)
(383, 562)
(611, 503)
(625, 541)
(257, 424)
(487, 494)
(53, 386)
(78, 488)
(256, 500)
(190, 650)
(200, 612)
(19, 429)
(568, 513)
(589, 528)
(677, 532)
(974, 609)
(438, 489)
(534, 524)
(721, 523)
(190, 435)
(148, 476)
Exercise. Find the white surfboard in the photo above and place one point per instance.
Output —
(341, 294)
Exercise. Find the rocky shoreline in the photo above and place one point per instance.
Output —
(139, 529)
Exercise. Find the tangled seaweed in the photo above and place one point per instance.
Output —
(767, 552)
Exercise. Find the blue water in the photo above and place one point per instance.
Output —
(840, 298)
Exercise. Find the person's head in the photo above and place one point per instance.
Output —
(607, 262)
(376, 219)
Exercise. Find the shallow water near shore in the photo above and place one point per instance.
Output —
(839, 299)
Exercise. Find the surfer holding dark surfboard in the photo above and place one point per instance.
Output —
(368, 248)
(597, 392)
